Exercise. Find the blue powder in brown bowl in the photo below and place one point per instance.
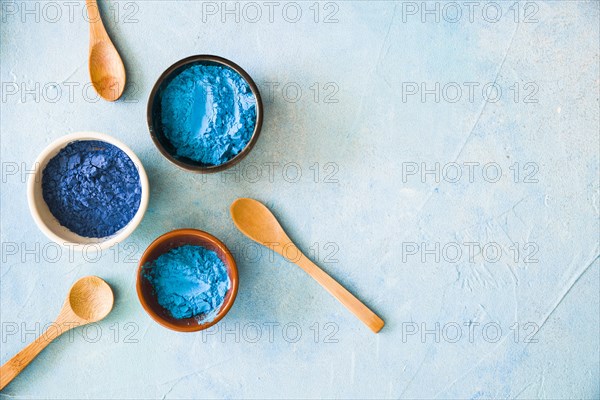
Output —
(189, 281)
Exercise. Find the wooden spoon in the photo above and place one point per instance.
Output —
(106, 67)
(255, 220)
(90, 299)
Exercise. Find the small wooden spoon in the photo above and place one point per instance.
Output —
(106, 67)
(255, 220)
(90, 299)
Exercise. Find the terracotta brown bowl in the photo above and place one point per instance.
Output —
(154, 112)
(165, 243)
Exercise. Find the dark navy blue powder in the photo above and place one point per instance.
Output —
(92, 188)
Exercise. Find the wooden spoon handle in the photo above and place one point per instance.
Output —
(361, 311)
(15, 365)
(97, 31)
(92, 4)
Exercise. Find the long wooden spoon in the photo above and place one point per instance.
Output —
(107, 71)
(255, 220)
(90, 299)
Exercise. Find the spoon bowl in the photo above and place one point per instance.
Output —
(107, 71)
(91, 299)
(257, 222)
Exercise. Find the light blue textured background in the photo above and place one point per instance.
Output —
(368, 52)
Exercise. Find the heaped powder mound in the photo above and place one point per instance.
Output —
(208, 113)
(92, 188)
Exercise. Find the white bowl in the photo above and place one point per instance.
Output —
(48, 223)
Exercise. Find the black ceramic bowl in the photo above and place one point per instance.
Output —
(154, 114)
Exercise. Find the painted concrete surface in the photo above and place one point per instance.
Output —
(441, 164)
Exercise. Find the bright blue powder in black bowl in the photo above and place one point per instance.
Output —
(207, 113)
(189, 281)
(92, 188)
